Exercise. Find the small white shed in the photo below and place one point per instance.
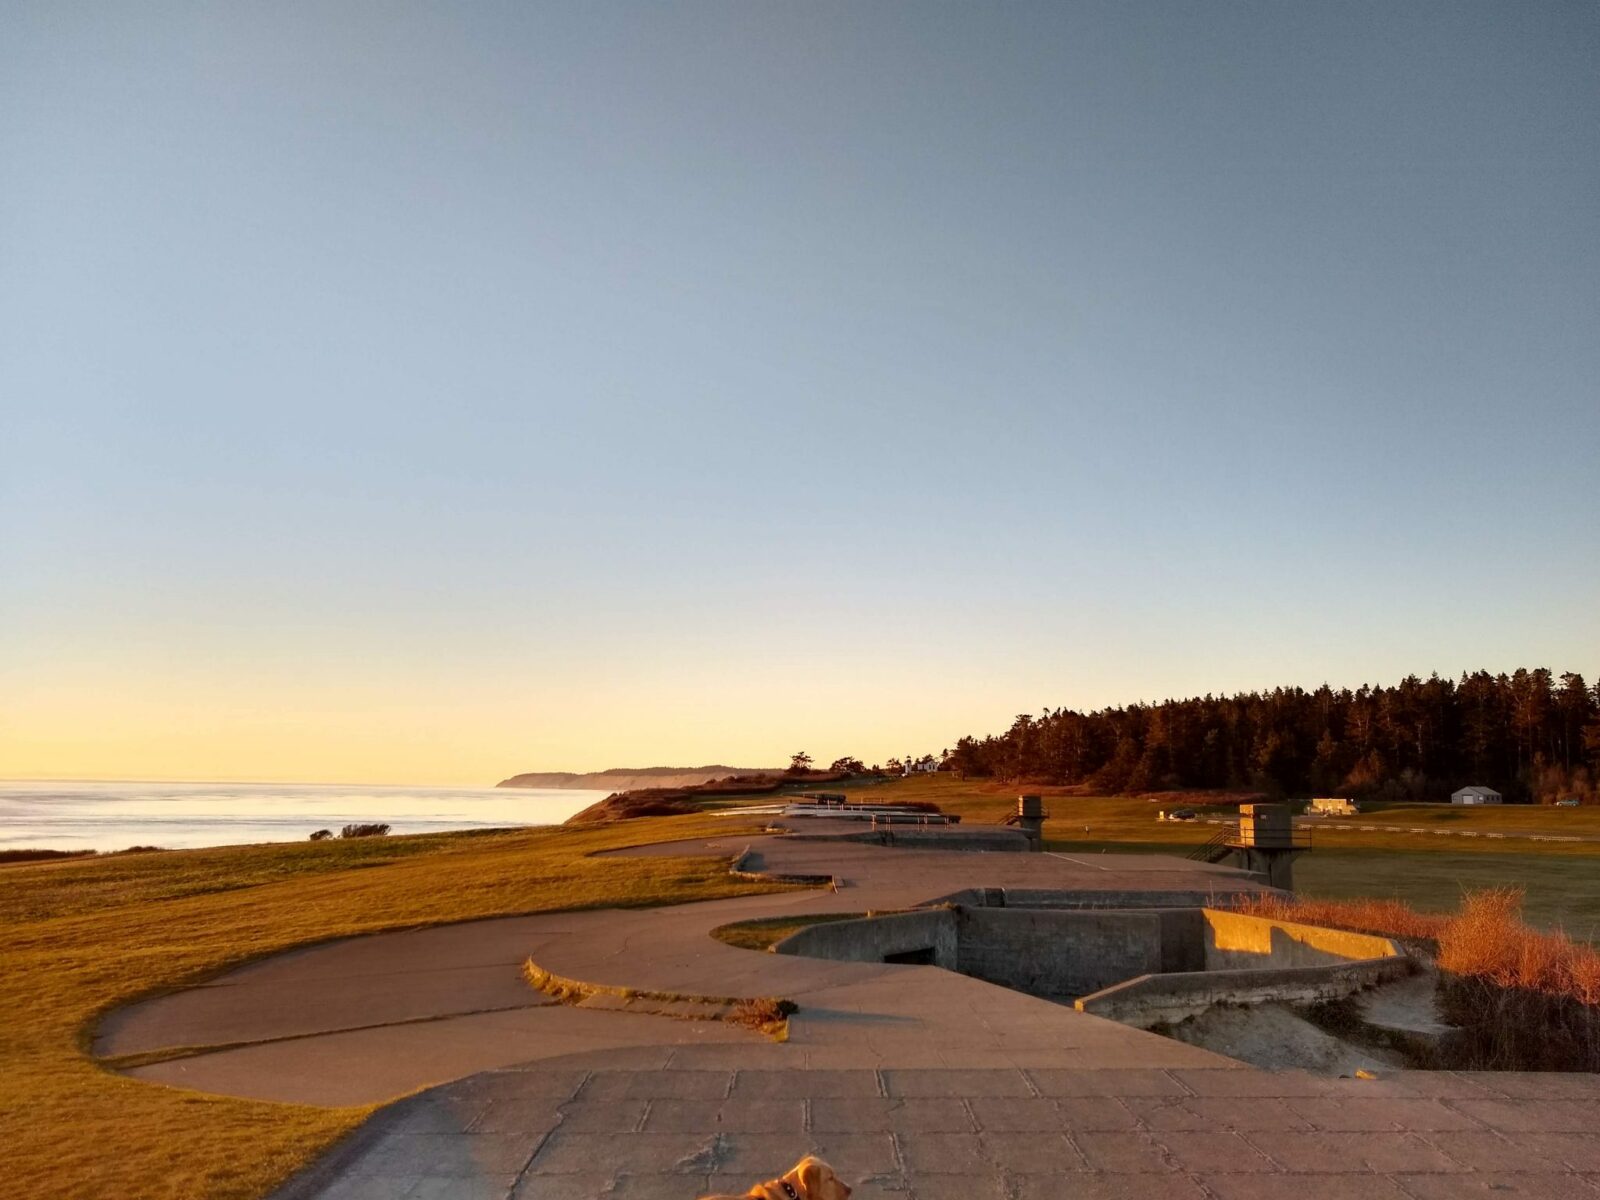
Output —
(1475, 795)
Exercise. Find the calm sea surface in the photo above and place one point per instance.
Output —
(52, 815)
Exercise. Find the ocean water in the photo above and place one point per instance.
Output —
(55, 815)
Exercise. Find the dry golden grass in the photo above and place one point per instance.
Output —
(80, 937)
(1489, 941)
(1523, 999)
(1388, 918)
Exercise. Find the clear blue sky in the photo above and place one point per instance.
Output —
(436, 391)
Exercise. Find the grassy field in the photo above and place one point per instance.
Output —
(1431, 872)
(1562, 891)
(1488, 818)
(80, 937)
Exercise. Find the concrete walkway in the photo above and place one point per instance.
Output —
(916, 1081)
(672, 1125)
(367, 1019)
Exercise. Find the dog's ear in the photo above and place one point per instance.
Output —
(812, 1177)
(808, 1176)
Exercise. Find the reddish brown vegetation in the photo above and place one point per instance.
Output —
(1387, 918)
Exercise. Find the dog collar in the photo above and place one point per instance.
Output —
(788, 1189)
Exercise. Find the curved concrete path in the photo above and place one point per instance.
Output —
(367, 1019)
(917, 1081)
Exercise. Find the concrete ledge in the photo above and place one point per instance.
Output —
(1084, 898)
(1167, 999)
(971, 839)
(1239, 940)
(747, 865)
(930, 933)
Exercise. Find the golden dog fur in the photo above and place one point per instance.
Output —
(809, 1179)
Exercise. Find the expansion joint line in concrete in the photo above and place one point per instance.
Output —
(145, 1058)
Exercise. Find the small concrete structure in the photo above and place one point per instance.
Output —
(1030, 817)
(1476, 794)
(1266, 826)
(1268, 843)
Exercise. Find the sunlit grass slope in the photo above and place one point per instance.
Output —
(80, 937)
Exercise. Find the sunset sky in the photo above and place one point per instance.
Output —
(424, 393)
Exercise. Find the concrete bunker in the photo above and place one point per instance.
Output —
(1146, 967)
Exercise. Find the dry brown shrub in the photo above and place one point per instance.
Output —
(1387, 918)
(1488, 940)
(765, 1013)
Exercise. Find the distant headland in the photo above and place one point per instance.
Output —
(625, 779)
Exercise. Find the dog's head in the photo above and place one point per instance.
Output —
(813, 1179)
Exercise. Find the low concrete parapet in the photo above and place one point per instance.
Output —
(994, 897)
(926, 936)
(748, 865)
(910, 837)
(1151, 1000)
(1239, 940)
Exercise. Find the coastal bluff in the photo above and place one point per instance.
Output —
(627, 779)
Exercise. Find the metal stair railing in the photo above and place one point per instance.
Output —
(1215, 847)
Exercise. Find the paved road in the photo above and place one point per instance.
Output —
(1335, 825)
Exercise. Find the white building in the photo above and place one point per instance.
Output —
(1475, 795)
(1333, 806)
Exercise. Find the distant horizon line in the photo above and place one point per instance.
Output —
(7, 778)
(253, 782)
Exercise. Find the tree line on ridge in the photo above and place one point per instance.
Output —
(1529, 734)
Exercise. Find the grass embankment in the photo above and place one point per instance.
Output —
(1524, 1000)
(80, 937)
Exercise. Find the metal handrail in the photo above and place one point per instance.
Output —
(1223, 837)
(1299, 839)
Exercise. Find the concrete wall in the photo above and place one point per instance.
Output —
(1140, 966)
(1183, 944)
(1086, 898)
(1234, 941)
(1056, 953)
(873, 939)
(1167, 999)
